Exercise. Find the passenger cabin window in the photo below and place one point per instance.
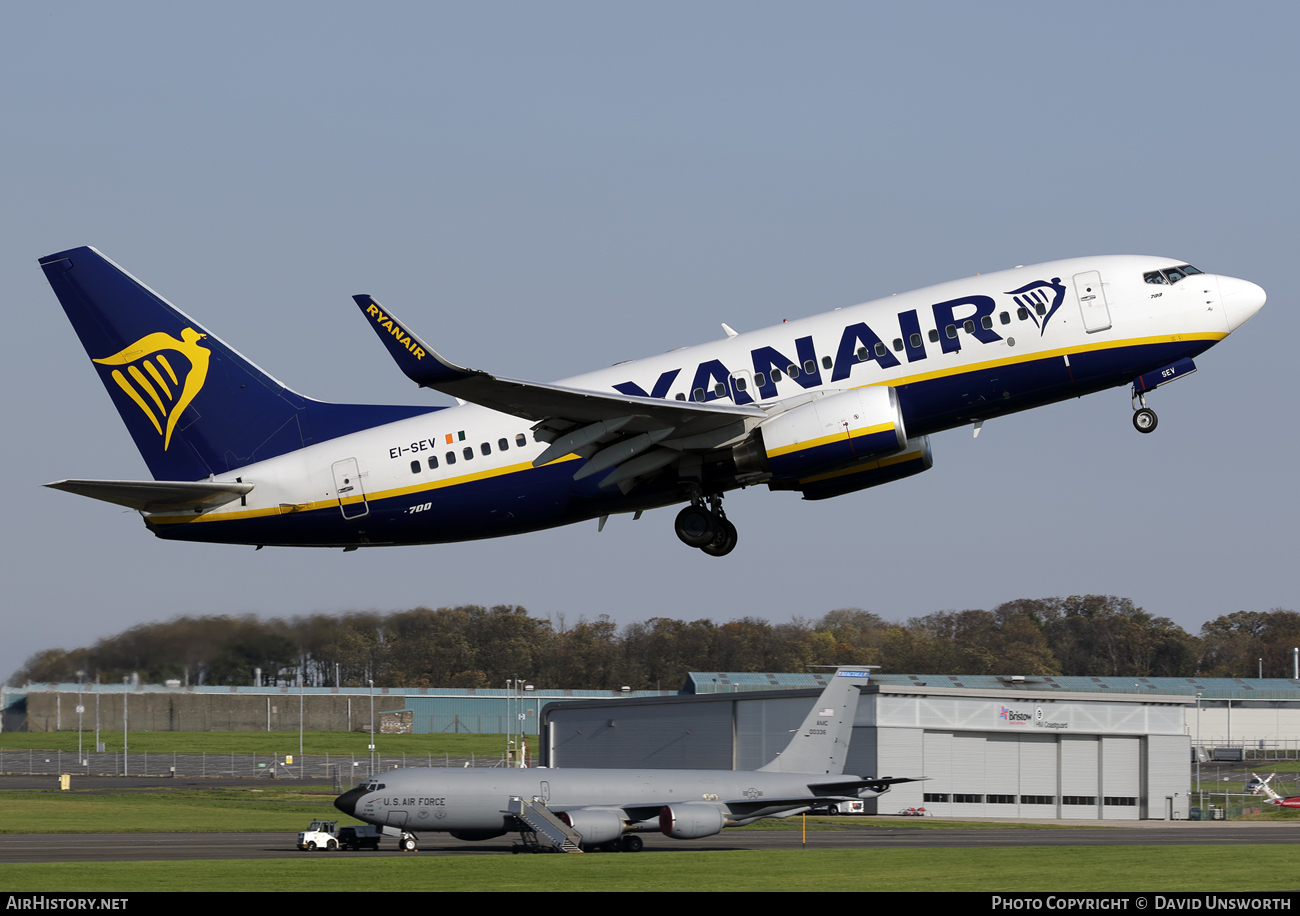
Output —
(863, 353)
(880, 349)
(916, 341)
(827, 362)
(968, 326)
(776, 375)
(741, 384)
(1004, 318)
(521, 440)
(681, 396)
(1022, 313)
(898, 343)
(986, 322)
(760, 379)
(720, 390)
(951, 330)
(486, 448)
(503, 444)
(468, 452)
(792, 371)
(934, 336)
(433, 462)
(699, 394)
(451, 457)
(809, 367)
(415, 467)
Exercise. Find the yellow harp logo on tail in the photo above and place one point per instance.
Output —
(151, 380)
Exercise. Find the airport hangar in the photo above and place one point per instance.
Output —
(1002, 747)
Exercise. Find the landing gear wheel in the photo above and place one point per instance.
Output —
(696, 526)
(632, 843)
(611, 846)
(725, 541)
(1144, 420)
(408, 843)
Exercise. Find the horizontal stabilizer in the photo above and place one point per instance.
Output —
(850, 786)
(156, 495)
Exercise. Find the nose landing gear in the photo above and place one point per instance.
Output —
(706, 528)
(1144, 418)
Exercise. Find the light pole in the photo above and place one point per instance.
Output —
(372, 725)
(1198, 747)
(125, 681)
(81, 676)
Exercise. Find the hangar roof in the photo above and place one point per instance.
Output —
(1221, 688)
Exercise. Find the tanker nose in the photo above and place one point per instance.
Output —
(1241, 300)
(347, 802)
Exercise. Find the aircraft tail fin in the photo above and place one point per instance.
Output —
(194, 406)
(821, 744)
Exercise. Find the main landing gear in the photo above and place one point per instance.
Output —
(706, 528)
(1144, 418)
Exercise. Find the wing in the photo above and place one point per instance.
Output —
(633, 435)
(156, 495)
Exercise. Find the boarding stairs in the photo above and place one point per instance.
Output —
(544, 831)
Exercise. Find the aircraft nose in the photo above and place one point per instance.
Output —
(347, 802)
(1241, 300)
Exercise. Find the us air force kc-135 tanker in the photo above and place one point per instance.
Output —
(573, 809)
(823, 406)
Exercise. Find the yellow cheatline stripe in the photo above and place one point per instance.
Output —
(157, 377)
(144, 383)
(875, 465)
(827, 440)
(1030, 357)
(135, 396)
(180, 519)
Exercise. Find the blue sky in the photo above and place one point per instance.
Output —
(545, 189)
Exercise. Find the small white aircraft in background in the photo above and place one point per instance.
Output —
(1258, 786)
(823, 406)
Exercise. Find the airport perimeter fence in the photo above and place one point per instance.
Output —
(343, 769)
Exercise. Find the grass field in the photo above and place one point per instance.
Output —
(1142, 868)
(268, 743)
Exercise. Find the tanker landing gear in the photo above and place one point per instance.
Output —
(1144, 418)
(706, 528)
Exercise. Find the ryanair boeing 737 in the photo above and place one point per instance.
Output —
(823, 406)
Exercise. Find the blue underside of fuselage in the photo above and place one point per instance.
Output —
(546, 497)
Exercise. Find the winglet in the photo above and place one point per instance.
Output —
(420, 362)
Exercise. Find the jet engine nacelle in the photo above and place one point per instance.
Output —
(833, 432)
(690, 822)
(912, 460)
(594, 825)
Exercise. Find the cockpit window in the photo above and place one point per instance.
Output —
(1169, 275)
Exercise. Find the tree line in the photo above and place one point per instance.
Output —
(473, 646)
